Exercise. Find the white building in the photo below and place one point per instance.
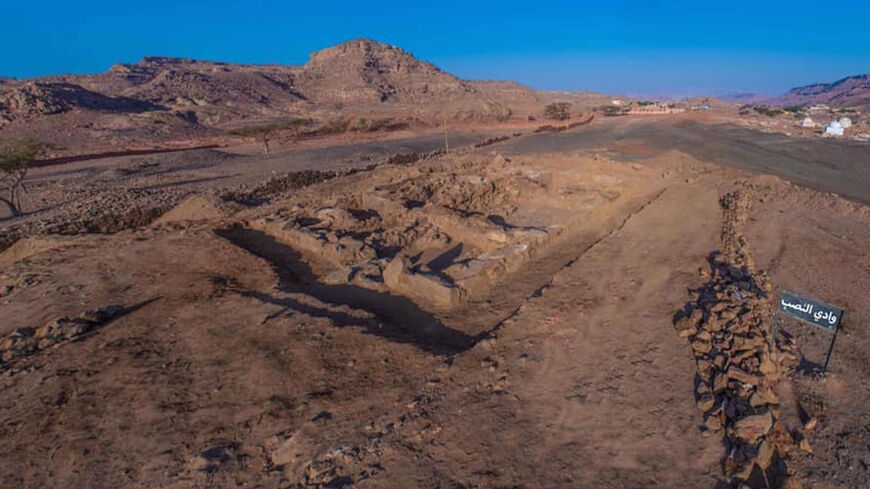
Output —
(845, 122)
(834, 128)
(808, 122)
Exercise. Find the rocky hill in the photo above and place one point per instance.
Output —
(852, 91)
(44, 98)
(160, 99)
(359, 75)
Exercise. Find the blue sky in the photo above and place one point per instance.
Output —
(642, 47)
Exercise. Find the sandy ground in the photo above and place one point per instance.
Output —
(475, 320)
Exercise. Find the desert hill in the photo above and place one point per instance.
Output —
(359, 75)
(852, 91)
(163, 100)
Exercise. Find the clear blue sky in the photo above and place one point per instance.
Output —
(649, 47)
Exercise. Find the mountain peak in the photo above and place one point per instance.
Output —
(366, 51)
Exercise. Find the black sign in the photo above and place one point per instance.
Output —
(811, 311)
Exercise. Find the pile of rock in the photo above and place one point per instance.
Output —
(728, 326)
(25, 342)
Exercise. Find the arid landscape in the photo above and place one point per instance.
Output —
(364, 271)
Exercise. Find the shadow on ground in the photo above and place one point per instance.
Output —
(399, 319)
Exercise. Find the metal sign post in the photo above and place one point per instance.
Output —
(814, 312)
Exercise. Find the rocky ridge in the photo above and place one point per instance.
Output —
(361, 73)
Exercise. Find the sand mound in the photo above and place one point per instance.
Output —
(196, 208)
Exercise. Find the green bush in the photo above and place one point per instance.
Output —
(15, 159)
(768, 111)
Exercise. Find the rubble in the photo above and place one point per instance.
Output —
(440, 237)
(25, 342)
(737, 357)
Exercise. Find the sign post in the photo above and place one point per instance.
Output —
(814, 312)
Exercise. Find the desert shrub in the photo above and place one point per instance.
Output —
(614, 110)
(794, 109)
(558, 111)
(265, 132)
(387, 124)
(337, 126)
(403, 159)
(768, 111)
(504, 115)
(15, 158)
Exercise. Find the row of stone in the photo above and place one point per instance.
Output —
(738, 361)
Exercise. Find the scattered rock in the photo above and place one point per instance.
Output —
(706, 402)
(714, 423)
(751, 428)
(805, 445)
(765, 454)
(25, 342)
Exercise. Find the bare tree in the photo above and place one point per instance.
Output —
(15, 160)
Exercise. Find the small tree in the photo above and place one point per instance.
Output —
(558, 111)
(262, 133)
(266, 132)
(14, 162)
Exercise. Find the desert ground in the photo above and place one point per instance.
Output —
(593, 307)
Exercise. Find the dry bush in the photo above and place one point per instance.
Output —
(558, 111)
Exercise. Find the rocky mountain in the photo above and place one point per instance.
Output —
(849, 92)
(364, 71)
(356, 76)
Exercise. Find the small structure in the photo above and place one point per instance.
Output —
(818, 107)
(834, 128)
(808, 122)
(845, 122)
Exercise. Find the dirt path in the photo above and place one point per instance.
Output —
(827, 165)
(591, 361)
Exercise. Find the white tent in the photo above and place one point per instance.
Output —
(834, 128)
(845, 122)
(808, 122)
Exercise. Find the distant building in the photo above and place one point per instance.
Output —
(834, 128)
(808, 122)
(818, 107)
(845, 122)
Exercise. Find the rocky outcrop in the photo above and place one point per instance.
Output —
(22, 343)
(36, 98)
(363, 71)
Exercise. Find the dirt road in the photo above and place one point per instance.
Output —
(836, 166)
